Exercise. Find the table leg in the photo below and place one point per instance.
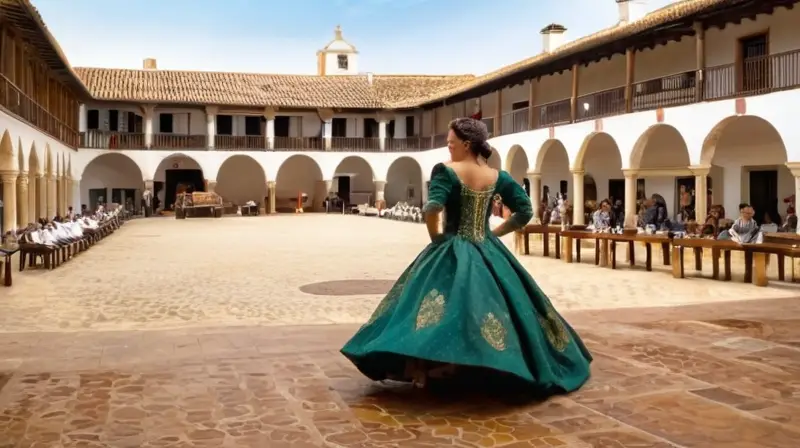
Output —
(698, 259)
(558, 246)
(677, 261)
(727, 258)
(665, 253)
(527, 241)
(546, 244)
(781, 267)
(748, 266)
(715, 253)
(631, 254)
(648, 256)
(568, 242)
(760, 269)
(597, 250)
(613, 255)
(7, 272)
(577, 245)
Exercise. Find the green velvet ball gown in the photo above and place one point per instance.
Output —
(466, 302)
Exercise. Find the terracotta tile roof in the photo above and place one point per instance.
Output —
(674, 11)
(242, 89)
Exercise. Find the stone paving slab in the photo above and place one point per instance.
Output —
(694, 376)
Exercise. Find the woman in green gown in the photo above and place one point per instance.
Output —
(466, 308)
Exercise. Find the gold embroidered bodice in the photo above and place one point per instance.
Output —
(473, 214)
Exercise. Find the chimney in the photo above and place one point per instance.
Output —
(552, 37)
(369, 78)
(630, 10)
(150, 64)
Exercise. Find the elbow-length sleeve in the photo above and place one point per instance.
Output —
(515, 198)
(439, 190)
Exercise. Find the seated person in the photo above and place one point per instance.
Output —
(601, 219)
(767, 224)
(745, 229)
(712, 223)
(655, 213)
(790, 225)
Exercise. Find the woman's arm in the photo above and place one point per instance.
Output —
(515, 198)
(437, 198)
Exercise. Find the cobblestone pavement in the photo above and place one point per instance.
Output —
(196, 333)
(164, 273)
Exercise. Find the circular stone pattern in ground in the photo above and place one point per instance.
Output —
(348, 287)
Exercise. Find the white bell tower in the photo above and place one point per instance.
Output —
(339, 57)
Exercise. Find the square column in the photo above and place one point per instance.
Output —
(578, 217)
(148, 111)
(631, 213)
(32, 192)
(211, 185)
(9, 180)
(380, 195)
(22, 200)
(327, 134)
(269, 128)
(271, 189)
(700, 192)
(51, 197)
(41, 191)
(382, 134)
(211, 126)
(536, 196)
(75, 195)
(147, 196)
(400, 130)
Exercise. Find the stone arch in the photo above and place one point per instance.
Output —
(240, 179)
(299, 174)
(747, 156)
(35, 185)
(108, 172)
(660, 146)
(552, 161)
(404, 182)
(600, 158)
(175, 172)
(33, 161)
(21, 158)
(7, 160)
(495, 161)
(360, 176)
(517, 163)
(48, 161)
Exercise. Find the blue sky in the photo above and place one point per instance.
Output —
(268, 36)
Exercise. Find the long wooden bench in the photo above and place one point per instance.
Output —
(606, 243)
(544, 230)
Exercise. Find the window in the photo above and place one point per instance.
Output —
(371, 128)
(519, 105)
(113, 120)
(410, 131)
(339, 127)
(252, 125)
(390, 129)
(165, 123)
(224, 125)
(342, 60)
(281, 125)
(563, 187)
(93, 119)
(134, 122)
(754, 53)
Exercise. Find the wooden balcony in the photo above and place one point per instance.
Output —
(600, 104)
(516, 121)
(667, 91)
(489, 122)
(96, 139)
(555, 113)
(17, 103)
(408, 144)
(178, 141)
(754, 76)
(355, 144)
(240, 142)
(298, 144)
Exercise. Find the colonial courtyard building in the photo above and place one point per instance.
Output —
(695, 95)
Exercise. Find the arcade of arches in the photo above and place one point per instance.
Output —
(32, 188)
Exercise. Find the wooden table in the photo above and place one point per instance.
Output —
(6, 251)
(606, 243)
(755, 258)
(544, 230)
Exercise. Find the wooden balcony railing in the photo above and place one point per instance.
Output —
(240, 142)
(405, 144)
(489, 122)
(96, 139)
(355, 144)
(754, 76)
(16, 102)
(557, 112)
(439, 140)
(179, 141)
(667, 91)
(516, 121)
(600, 104)
(298, 144)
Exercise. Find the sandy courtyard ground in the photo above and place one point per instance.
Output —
(162, 273)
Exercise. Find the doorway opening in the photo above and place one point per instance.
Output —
(181, 180)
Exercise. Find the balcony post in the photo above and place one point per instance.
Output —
(498, 114)
(533, 119)
(211, 126)
(148, 111)
(535, 180)
(630, 73)
(700, 53)
(269, 128)
(400, 130)
(326, 117)
(82, 120)
(573, 101)
(383, 121)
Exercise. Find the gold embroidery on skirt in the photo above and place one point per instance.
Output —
(431, 310)
(494, 332)
(554, 330)
(391, 297)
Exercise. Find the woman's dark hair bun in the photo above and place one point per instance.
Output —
(485, 150)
